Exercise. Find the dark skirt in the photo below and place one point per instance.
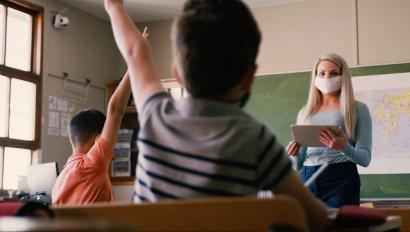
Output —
(338, 185)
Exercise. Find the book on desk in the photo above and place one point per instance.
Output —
(392, 224)
(355, 218)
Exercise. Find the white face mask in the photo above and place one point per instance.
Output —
(328, 85)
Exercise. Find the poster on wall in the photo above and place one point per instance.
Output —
(53, 131)
(59, 116)
(62, 105)
(53, 119)
(65, 120)
(388, 99)
(52, 102)
(75, 92)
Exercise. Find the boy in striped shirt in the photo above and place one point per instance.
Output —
(205, 145)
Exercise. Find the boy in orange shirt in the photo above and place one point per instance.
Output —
(84, 179)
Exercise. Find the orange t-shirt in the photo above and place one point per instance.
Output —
(84, 179)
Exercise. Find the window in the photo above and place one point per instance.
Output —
(21, 25)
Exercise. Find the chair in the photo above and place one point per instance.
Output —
(214, 214)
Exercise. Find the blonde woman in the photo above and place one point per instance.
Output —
(331, 102)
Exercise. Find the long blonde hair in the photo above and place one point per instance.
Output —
(346, 97)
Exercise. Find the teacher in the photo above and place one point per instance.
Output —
(331, 102)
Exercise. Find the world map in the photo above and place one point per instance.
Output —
(388, 99)
(390, 112)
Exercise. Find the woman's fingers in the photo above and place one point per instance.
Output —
(292, 148)
(323, 140)
(327, 133)
(289, 147)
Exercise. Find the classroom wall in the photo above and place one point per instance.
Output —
(159, 37)
(294, 34)
(364, 32)
(85, 49)
(384, 31)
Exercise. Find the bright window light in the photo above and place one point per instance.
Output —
(22, 110)
(4, 105)
(19, 34)
(15, 163)
(2, 32)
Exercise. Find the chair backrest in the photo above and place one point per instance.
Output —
(215, 214)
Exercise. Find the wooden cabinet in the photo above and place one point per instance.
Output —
(118, 173)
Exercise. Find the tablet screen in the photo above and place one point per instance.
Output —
(308, 135)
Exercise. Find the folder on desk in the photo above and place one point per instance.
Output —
(355, 218)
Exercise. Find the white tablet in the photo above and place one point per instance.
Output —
(308, 135)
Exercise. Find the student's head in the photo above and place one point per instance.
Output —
(331, 75)
(85, 125)
(215, 44)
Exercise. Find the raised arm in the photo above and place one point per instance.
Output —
(116, 110)
(135, 49)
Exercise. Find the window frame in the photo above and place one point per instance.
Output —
(34, 75)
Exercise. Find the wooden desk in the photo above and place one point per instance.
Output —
(403, 213)
(213, 214)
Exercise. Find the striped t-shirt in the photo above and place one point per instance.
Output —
(201, 148)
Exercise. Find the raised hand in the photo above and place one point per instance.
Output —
(292, 148)
(111, 3)
(145, 34)
(331, 140)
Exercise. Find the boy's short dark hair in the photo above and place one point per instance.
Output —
(215, 42)
(85, 124)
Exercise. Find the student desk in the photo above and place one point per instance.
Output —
(403, 213)
(223, 214)
(214, 214)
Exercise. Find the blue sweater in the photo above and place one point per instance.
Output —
(357, 151)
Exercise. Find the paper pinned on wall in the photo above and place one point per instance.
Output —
(71, 107)
(53, 131)
(53, 119)
(65, 120)
(75, 92)
(62, 105)
(52, 102)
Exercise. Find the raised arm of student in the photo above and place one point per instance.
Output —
(314, 209)
(116, 110)
(135, 49)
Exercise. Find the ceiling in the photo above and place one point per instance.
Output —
(152, 10)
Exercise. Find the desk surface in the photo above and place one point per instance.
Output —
(45, 224)
(389, 204)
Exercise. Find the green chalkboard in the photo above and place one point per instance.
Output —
(277, 98)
